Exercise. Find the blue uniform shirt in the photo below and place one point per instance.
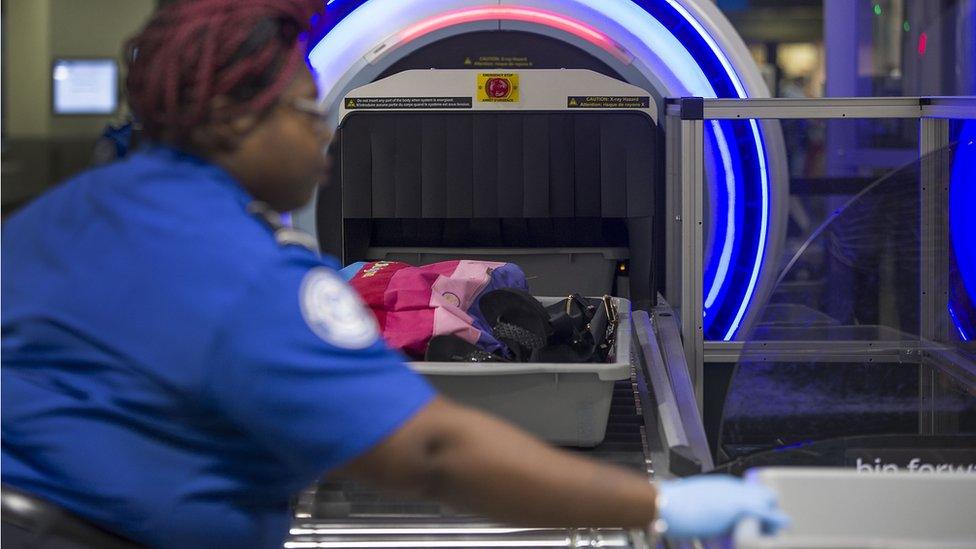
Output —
(170, 371)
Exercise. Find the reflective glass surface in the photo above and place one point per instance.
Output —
(858, 343)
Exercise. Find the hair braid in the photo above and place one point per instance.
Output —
(193, 51)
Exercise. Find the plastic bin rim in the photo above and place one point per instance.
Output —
(606, 372)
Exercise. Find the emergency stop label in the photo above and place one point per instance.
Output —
(608, 102)
(498, 87)
(405, 103)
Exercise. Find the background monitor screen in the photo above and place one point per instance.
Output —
(85, 86)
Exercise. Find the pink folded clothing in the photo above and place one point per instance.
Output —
(414, 304)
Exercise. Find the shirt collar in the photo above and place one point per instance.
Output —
(194, 162)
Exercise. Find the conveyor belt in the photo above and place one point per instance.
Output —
(341, 514)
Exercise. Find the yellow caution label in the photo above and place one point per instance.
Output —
(499, 62)
(609, 102)
(498, 87)
(350, 103)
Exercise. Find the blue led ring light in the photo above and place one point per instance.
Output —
(962, 232)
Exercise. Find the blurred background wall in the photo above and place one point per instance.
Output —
(805, 48)
(40, 148)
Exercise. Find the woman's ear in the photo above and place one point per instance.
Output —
(224, 134)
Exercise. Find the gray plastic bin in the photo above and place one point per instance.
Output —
(566, 404)
(840, 508)
(550, 271)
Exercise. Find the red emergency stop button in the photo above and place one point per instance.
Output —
(498, 88)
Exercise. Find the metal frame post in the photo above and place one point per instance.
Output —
(933, 267)
(692, 183)
(673, 163)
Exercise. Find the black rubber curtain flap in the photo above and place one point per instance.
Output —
(497, 165)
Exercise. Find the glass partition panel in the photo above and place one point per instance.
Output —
(825, 170)
(841, 350)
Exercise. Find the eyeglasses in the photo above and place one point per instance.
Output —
(311, 107)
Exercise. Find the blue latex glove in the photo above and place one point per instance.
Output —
(710, 505)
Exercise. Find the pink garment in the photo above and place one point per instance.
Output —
(413, 304)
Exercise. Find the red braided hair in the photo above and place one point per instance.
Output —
(193, 51)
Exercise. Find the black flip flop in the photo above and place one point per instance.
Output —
(518, 320)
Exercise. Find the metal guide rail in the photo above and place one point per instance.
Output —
(340, 514)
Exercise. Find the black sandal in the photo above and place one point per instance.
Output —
(518, 320)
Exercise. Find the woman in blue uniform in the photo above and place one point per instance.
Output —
(175, 367)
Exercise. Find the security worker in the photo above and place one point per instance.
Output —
(176, 366)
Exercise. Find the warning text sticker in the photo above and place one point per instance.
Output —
(403, 103)
(608, 102)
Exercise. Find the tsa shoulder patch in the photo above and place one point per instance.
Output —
(334, 311)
